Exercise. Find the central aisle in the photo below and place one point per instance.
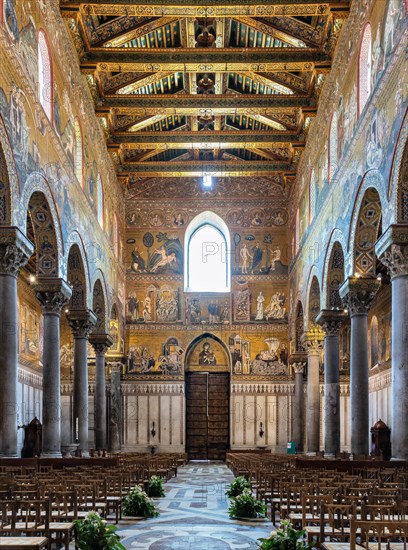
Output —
(194, 515)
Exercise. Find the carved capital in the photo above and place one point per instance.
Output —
(331, 320)
(298, 368)
(15, 250)
(53, 294)
(312, 340)
(100, 343)
(392, 250)
(358, 293)
(81, 322)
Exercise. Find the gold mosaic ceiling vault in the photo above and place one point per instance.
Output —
(186, 88)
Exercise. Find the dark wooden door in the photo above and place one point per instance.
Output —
(207, 415)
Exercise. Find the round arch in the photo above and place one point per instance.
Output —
(98, 276)
(77, 278)
(336, 236)
(208, 218)
(312, 298)
(10, 191)
(74, 238)
(99, 307)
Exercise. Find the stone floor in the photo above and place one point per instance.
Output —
(194, 516)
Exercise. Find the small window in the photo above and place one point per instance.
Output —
(78, 157)
(115, 235)
(207, 255)
(364, 69)
(332, 161)
(312, 197)
(99, 198)
(45, 80)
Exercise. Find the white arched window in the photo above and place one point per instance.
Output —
(45, 81)
(297, 231)
(78, 157)
(99, 200)
(207, 258)
(332, 161)
(115, 235)
(312, 197)
(364, 69)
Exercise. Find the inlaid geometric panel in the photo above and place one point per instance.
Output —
(314, 300)
(368, 226)
(4, 189)
(335, 276)
(44, 233)
(76, 278)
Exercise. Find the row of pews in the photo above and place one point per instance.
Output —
(340, 504)
(40, 499)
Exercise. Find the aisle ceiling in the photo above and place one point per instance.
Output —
(185, 88)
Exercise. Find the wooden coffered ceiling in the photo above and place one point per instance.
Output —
(186, 88)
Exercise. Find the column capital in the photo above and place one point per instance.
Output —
(358, 293)
(100, 342)
(331, 320)
(392, 250)
(53, 294)
(298, 368)
(15, 250)
(298, 357)
(312, 340)
(81, 322)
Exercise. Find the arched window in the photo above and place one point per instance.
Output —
(312, 197)
(374, 341)
(99, 200)
(364, 69)
(78, 157)
(332, 161)
(297, 231)
(115, 235)
(45, 80)
(207, 255)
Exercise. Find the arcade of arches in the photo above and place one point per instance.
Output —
(204, 225)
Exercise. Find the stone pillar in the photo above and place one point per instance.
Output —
(297, 425)
(358, 294)
(101, 344)
(81, 322)
(115, 416)
(53, 295)
(392, 249)
(331, 321)
(313, 344)
(15, 251)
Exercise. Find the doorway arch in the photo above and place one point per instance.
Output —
(207, 385)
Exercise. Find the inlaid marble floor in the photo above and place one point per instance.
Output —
(194, 516)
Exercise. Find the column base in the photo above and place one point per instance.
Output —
(51, 455)
(311, 453)
(4, 455)
(329, 455)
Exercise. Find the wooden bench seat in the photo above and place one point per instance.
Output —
(30, 543)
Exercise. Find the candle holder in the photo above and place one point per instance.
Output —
(261, 430)
(153, 430)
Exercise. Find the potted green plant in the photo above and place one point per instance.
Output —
(237, 486)
(137, 504)
(246, 506)
(285, 538)
(93, 533)
(156, 488)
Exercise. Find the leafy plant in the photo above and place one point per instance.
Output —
(246, 506)
(285, 538)
(137, 503)
(237, 486)
(93, 533)
(156, 488)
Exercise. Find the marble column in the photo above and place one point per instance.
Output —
(115, 416)
(15, 251)
(297, 426)
(358, 294)
(392, 249)
(331, 321)
(53, 295)
(101, 343)
(312, 341)
(81, 322)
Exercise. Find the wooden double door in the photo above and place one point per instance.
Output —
(207, 415)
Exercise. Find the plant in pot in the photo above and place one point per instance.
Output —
(136, 503)
(93, 533)
(156, 488)
(246, 505)
(237, 486)
(285, 538)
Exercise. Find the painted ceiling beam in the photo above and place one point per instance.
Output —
(203, 139)
(182, 58)
(228, 103)
(213, 8)
(198, 168)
